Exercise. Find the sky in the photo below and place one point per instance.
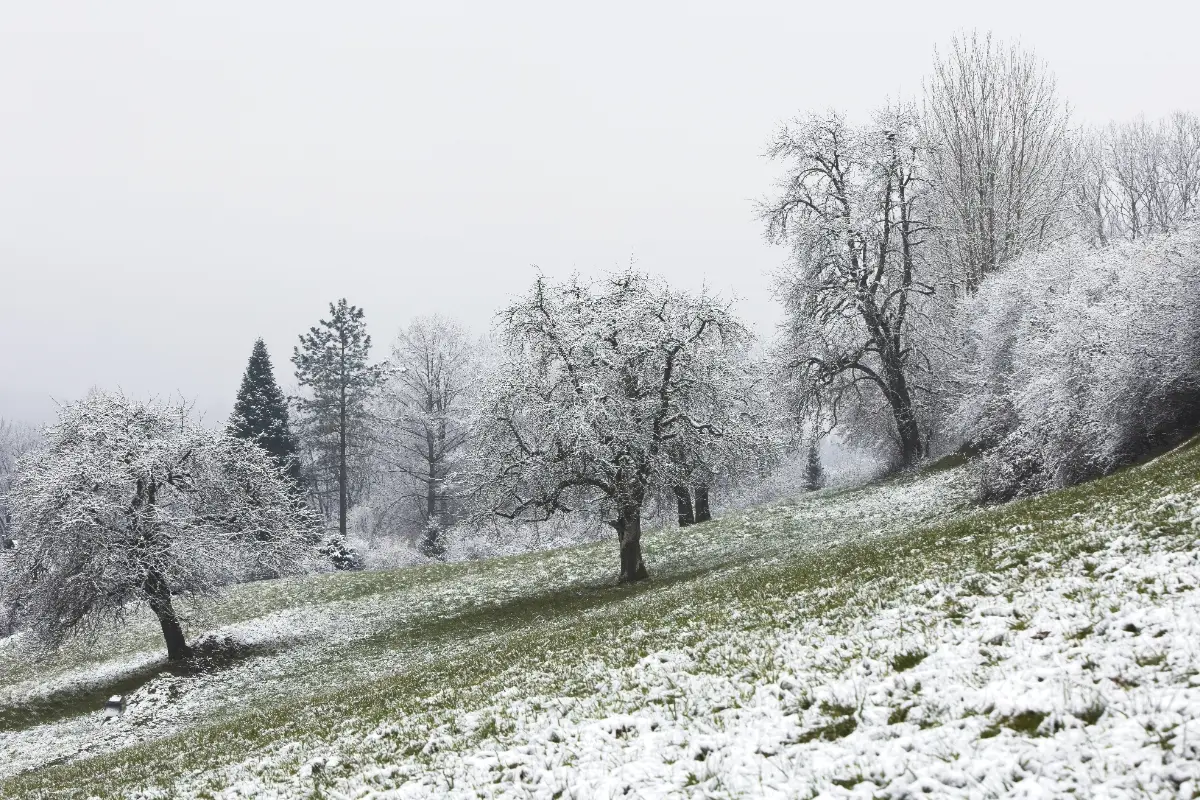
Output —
(179, 179)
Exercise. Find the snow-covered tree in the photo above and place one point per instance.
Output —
(857, 296)
(1136, 179)
(132, 501)
(998, 155)
(260, 413)
(602, 384)
(16, 439)
(423, 419)
(332, 364)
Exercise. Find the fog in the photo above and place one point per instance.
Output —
(175, 182)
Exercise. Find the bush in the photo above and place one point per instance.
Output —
(1080, 360)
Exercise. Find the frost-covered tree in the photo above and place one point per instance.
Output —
(1136, 179)
(851, 207)
(423, 419)
(602, 383)
(131, 501)
(16, 439)
(998, 155)
(332, 364)
(260, 413)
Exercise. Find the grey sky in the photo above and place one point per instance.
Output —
(178, 179)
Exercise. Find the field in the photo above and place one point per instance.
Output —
(887, 641)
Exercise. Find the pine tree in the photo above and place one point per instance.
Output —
(814, 474)
(331, 362)
(261, 413)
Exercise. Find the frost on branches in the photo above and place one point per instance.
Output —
(609, 392)
(1079, 361)
(851, 206)
(134, 501)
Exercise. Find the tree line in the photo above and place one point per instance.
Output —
(964, 272)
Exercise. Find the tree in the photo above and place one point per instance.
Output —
(260, 413)
(601, 383)
(851, 207)
(133, 501)
(331, 362)
(425, 405)
(814, 474)
(16, 439)
(1136, 179)
(998, 154)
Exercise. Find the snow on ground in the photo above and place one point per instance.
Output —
(321, 628)
(1041, 650)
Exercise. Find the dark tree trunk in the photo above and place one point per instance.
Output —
(160, 604)
(702, 512)
(683, 500)
(629, 532)
(342, 462)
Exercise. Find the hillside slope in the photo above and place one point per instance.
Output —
(887, 641)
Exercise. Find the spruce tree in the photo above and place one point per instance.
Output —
(814, 474)
(331, 363)
(261, 413)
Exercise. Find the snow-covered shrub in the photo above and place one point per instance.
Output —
(1080, 360)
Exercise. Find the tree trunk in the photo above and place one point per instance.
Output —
(702, 512)
(160, 603)
(683, 501)
(630, 533)
(342, 463)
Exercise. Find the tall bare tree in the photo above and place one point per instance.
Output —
(851, 207)
(997, 132)
(423, 416)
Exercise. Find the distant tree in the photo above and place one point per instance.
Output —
(424, 410)
(814, 473)
(602, 384)
(16, 439)
(260, 413)
(332, 364)
(134, 501)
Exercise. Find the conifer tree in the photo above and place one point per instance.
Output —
(814, 473)
(261, 413)
(331, 363)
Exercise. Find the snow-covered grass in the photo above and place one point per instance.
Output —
(885, 641)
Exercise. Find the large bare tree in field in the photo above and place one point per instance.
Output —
(999, 153)
(424, 409)
(851, 206)
(602, 384)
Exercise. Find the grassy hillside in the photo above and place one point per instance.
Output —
(885, 641)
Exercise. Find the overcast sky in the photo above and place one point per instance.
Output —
(179, 179)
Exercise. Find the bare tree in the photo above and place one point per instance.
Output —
(423, 417)
(997, 132)
(134, 501)
(601, 383)
(1136, 179)
(851, 207)
(16, 440)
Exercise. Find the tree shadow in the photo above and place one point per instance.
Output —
(209, 655)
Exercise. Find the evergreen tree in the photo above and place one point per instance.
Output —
(261, 413)
(331, 363)
(814, 473)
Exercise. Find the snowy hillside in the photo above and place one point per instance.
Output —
(888, 641)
